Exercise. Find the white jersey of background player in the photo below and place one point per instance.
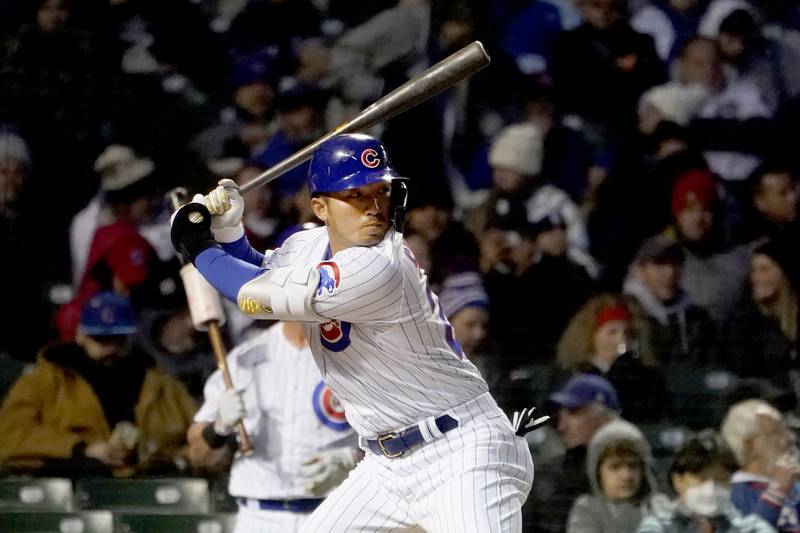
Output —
(303, 445)
(441, 455)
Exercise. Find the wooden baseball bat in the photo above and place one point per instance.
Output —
(443, 75)
(177, 198)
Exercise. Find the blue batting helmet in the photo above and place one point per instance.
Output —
(348, 161)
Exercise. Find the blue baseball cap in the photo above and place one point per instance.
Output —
(583, 389)
(106, 314)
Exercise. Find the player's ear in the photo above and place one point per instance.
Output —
(320, 208)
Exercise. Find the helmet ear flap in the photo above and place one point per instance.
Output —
(398, 197)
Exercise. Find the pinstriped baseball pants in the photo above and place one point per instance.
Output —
(473, 479)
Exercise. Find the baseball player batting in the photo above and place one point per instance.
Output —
(303, 445)
(440, 455)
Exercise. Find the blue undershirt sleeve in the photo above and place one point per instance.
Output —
(225, 272)
(242, 249)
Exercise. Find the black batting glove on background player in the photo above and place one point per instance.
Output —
(191, 231)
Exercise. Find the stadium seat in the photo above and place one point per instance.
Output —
(698, 395)
(221, 500)
(51, 494)
(167, 495)
(665, 438)
(54, 522)
(175, 523)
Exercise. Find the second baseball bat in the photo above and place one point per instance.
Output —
(436, 79)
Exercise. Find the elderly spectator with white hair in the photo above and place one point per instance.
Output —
(767, 482)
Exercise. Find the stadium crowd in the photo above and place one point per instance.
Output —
(608, 213)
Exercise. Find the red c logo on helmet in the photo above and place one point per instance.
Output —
(369, 158)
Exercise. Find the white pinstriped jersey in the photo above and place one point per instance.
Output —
(291, 414)
(388, 352)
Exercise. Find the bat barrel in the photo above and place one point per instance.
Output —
(436, 79)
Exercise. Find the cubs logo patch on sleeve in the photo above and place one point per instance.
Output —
(328, 409)
(329, 277)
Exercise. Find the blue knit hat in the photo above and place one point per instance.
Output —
(107, 313)
(461, 290)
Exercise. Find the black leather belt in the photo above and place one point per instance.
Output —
(393, 445)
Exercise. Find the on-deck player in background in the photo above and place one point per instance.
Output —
(440, 454)
(303, 446)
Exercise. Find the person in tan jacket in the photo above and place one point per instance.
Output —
(98, 402)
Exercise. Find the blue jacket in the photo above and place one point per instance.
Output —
(751, 494)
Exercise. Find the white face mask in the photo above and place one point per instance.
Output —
(707, 499)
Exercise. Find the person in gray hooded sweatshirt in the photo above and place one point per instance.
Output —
(619, 466)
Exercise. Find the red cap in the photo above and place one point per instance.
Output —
(130, 260)
(700, 183)
(611, 313)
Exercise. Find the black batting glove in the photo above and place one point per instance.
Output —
(525, 421)
(191, 231)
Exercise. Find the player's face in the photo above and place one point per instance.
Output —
(620, 476)
(356, 217)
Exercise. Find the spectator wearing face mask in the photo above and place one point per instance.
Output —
(766, 483)
(700, 477)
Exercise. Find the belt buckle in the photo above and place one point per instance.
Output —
(384, 451)
(286, 506)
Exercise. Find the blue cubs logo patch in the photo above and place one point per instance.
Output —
(328, 409)
(370, 158)
(328, 277)
(335, 335)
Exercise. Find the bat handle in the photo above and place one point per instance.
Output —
(214, 333)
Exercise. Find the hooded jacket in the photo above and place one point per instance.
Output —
(681, 331)
(52, 409)
(594, 513)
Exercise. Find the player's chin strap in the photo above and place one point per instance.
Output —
(524, 421)
(399, 197)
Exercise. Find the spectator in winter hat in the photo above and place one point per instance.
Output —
(671, 102)
(97, 404)
(246, 123)
(619, 465)
(713, 272)
(519, 196)
(465, 304)
(300, 119)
